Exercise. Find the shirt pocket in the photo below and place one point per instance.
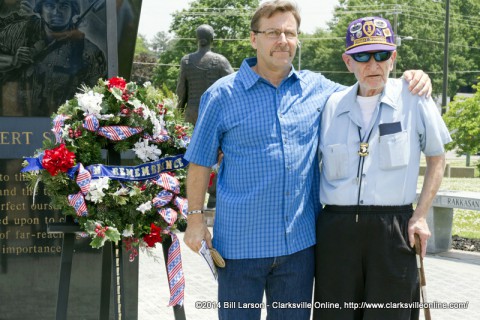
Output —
(335, 163)
(394, 151)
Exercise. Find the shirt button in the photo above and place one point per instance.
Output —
(287, 193)
(281, 115)
(361, 201)
(364, 175)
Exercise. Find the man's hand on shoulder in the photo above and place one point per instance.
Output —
(418, 82)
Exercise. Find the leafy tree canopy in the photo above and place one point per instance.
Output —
(463, 118)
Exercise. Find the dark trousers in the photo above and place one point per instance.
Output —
(369, 261)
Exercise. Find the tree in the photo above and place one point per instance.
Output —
(463, 118)
(144, 59)
(230, 20)
(141, 46)
(160, 42)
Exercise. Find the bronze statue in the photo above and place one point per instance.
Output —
(198, 71)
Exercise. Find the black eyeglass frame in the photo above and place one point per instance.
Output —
(378, 56)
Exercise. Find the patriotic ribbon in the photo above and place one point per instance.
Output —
(142, 172)
(168, 182)
(58, 123)
(163, 137)
(77, 201)
(115, 133)
(176, 279)
(162, 199)
(182, 205)
(169, 215)
(83, 179)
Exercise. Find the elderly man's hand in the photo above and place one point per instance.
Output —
(418, 82)
(420, 227)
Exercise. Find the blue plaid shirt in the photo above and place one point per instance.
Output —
(268, 182)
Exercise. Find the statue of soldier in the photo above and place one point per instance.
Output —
(198, 71)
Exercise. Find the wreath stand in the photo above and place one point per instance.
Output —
(112, 267)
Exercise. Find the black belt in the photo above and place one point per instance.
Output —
(369, 209)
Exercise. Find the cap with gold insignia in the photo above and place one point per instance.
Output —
(369, 34)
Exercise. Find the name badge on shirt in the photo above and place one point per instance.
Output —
(363, 151)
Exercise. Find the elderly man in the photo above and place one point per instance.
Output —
(371, 138)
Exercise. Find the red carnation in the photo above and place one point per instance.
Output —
(117, 82)
(58, 159)
(154, 236)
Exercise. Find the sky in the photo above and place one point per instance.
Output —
(156, 14)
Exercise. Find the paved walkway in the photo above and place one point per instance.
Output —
(451, 277)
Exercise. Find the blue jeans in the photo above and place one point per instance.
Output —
(284, 280)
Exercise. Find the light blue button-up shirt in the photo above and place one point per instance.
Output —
(267, 192)
(390, 170)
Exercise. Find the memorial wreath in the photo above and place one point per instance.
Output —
(137, 203)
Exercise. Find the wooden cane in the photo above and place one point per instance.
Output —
(421, 273)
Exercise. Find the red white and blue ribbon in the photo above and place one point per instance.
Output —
(182, 205)
(83, 179)
(77, 201)
(169, 215)
(58, 123)
(168, 182)
(114, 133)
(176, 279)
(162, 199)
(163, 137)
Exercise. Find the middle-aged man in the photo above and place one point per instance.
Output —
(265, 119)
(371, 138)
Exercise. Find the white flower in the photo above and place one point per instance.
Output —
(145, 111)
(147, 84)
(158, 126)
(95, 193)
(121, 192)
(90, 102)
(65, 133)
(170, 103)
(105, 117)
(128, 232)
(144, 207)
(145, 151)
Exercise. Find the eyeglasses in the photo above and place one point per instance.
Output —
(275, 34)
(366, 56)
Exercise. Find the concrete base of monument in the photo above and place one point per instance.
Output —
(440, 216)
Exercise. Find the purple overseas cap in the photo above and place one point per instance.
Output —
(369, 34)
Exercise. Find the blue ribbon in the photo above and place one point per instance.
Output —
(34, 164)
(144, 171)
